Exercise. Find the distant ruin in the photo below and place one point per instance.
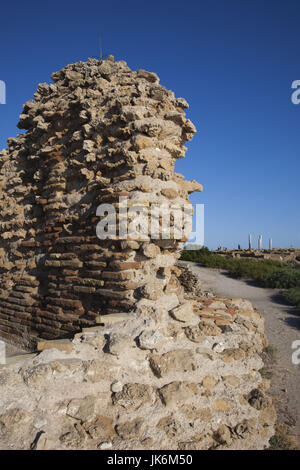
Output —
(289, 256)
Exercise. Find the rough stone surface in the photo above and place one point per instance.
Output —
(182, 395)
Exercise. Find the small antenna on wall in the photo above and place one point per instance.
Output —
(100, 45)
(102, 57)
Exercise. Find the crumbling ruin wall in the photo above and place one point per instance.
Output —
(182, 370)
(99, 132)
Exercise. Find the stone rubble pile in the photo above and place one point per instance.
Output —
(191, 282)
(168, 377)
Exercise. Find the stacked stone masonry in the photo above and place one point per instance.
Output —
(100, 131)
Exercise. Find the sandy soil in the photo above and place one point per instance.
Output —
(282, 326)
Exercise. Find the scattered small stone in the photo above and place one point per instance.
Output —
(218, 347)
(116, 386)
(105, 445)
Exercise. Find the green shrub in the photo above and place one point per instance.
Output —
(266, 273)
(259, 270)
(284, 279)
(292, 296)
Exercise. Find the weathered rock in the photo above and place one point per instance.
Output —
(223, 435)
(221, 405)
(233, 354)
(117, 343)
(116, 386)
(151, 250)
(130, 429)
(105, 445)
(246, 427)
(132, 396)
(180, 360)
(184, 312)
(177, 392)
(37, 375)
(82, 409)
(193, 333)
(61, 345)
(152, 290)
(257, 399)
(192, 413)
(209, 328)
(150, 339)
(170, 426)
(93, 370)
(208, 382)
(74, 439)
(13, 419)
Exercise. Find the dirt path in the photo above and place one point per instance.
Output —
(282, 326)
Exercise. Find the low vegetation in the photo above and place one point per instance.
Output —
(292, 296)
(283, 440)
(266, 273)
(269, 357)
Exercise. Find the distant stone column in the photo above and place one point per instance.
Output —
(270, 244)
(250, 241)
(260, 242)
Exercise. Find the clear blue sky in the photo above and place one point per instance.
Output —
(233, 61)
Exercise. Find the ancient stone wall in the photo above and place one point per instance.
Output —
(169, 376)
(181, 371)
(98, 133)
